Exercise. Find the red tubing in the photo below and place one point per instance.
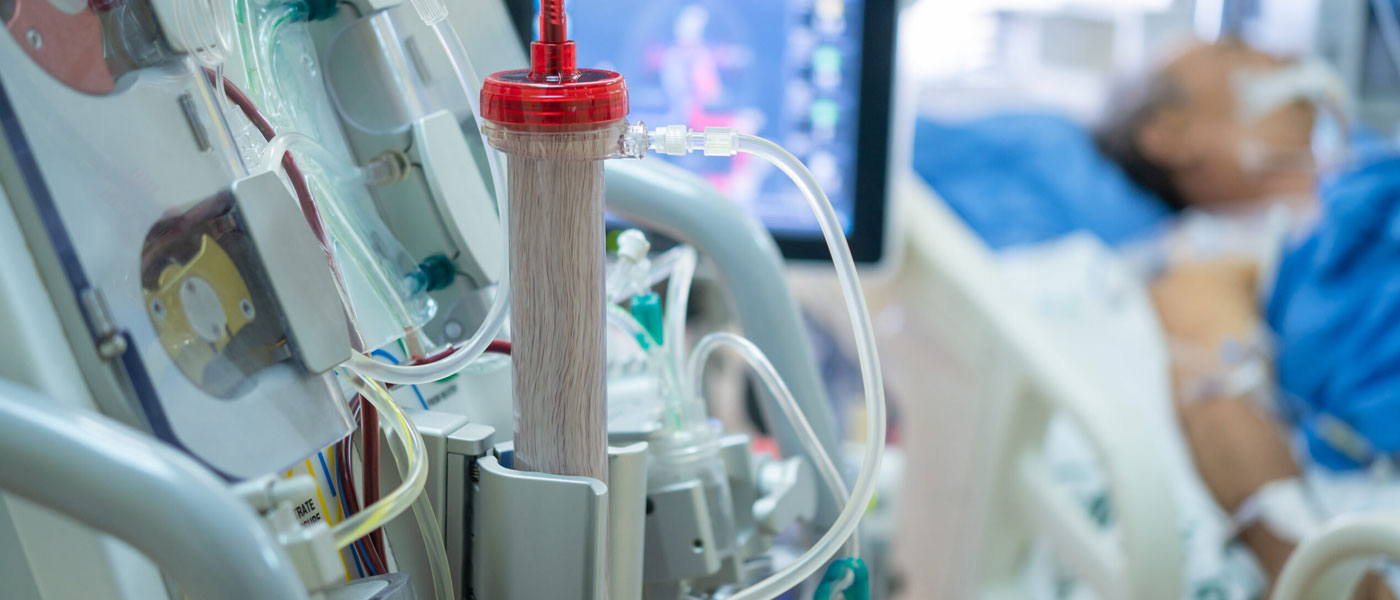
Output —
(553, 93)
(369, 444)
(552, 58)
(554, 28)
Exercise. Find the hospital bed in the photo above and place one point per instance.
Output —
(978, 378)
(1329, 564)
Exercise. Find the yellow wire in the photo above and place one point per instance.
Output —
(326, 512)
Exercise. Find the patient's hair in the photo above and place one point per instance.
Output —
(1128, 109)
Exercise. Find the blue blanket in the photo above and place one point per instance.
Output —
(1336, 311)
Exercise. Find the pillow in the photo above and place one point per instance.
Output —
(1021, 179)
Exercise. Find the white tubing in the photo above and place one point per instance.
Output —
(680, 414)
(406, 374)
(431, 533)
(270, 159)
(677, 302)
(761, 366)
(203, 28)
(399, 500)
(109, 477)
(620, 318)
(438, 562)
(677, 139)
(431, 11)
(849, 519)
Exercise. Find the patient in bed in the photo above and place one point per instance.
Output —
(1283, 310)
(1310, 338)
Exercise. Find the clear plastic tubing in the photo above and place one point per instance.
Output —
(463, 355)
(438, 563)
(271, 158)
(761, 366)
(674, 404)
(661, 268)
(623, 320)
(204, 29)
(415, 476)
(265, 44)
(849, 518)
(677, 302)
(677, 139)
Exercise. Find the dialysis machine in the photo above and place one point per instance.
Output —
(313, 298)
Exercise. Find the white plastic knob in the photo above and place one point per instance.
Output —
(721, 141)
(431, 11)
(632, 246)
(670, 140)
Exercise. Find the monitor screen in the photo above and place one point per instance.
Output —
(798, 72)
(1379, 77)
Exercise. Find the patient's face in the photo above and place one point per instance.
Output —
(1229, 160)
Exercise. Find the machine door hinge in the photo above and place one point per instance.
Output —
(110, 342)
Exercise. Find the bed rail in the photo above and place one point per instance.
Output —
(1329, 564)
(1015, 380)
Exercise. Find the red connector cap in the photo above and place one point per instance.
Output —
(554, 92)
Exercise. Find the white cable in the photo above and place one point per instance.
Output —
(761, 366)
(720, 141)
(407, 374)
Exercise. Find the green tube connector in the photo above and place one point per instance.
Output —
(647, 309)
(439, 272)
(317, 10)
(860, 580)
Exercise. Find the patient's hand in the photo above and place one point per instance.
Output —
(1237, 449)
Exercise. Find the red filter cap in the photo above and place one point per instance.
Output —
(591, 97)
(553, 92)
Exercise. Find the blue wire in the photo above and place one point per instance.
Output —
(332, 485)
(322, 456)
(357, 549)
(389, 357)
(360, 555)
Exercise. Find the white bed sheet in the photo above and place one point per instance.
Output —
(1091, 301)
